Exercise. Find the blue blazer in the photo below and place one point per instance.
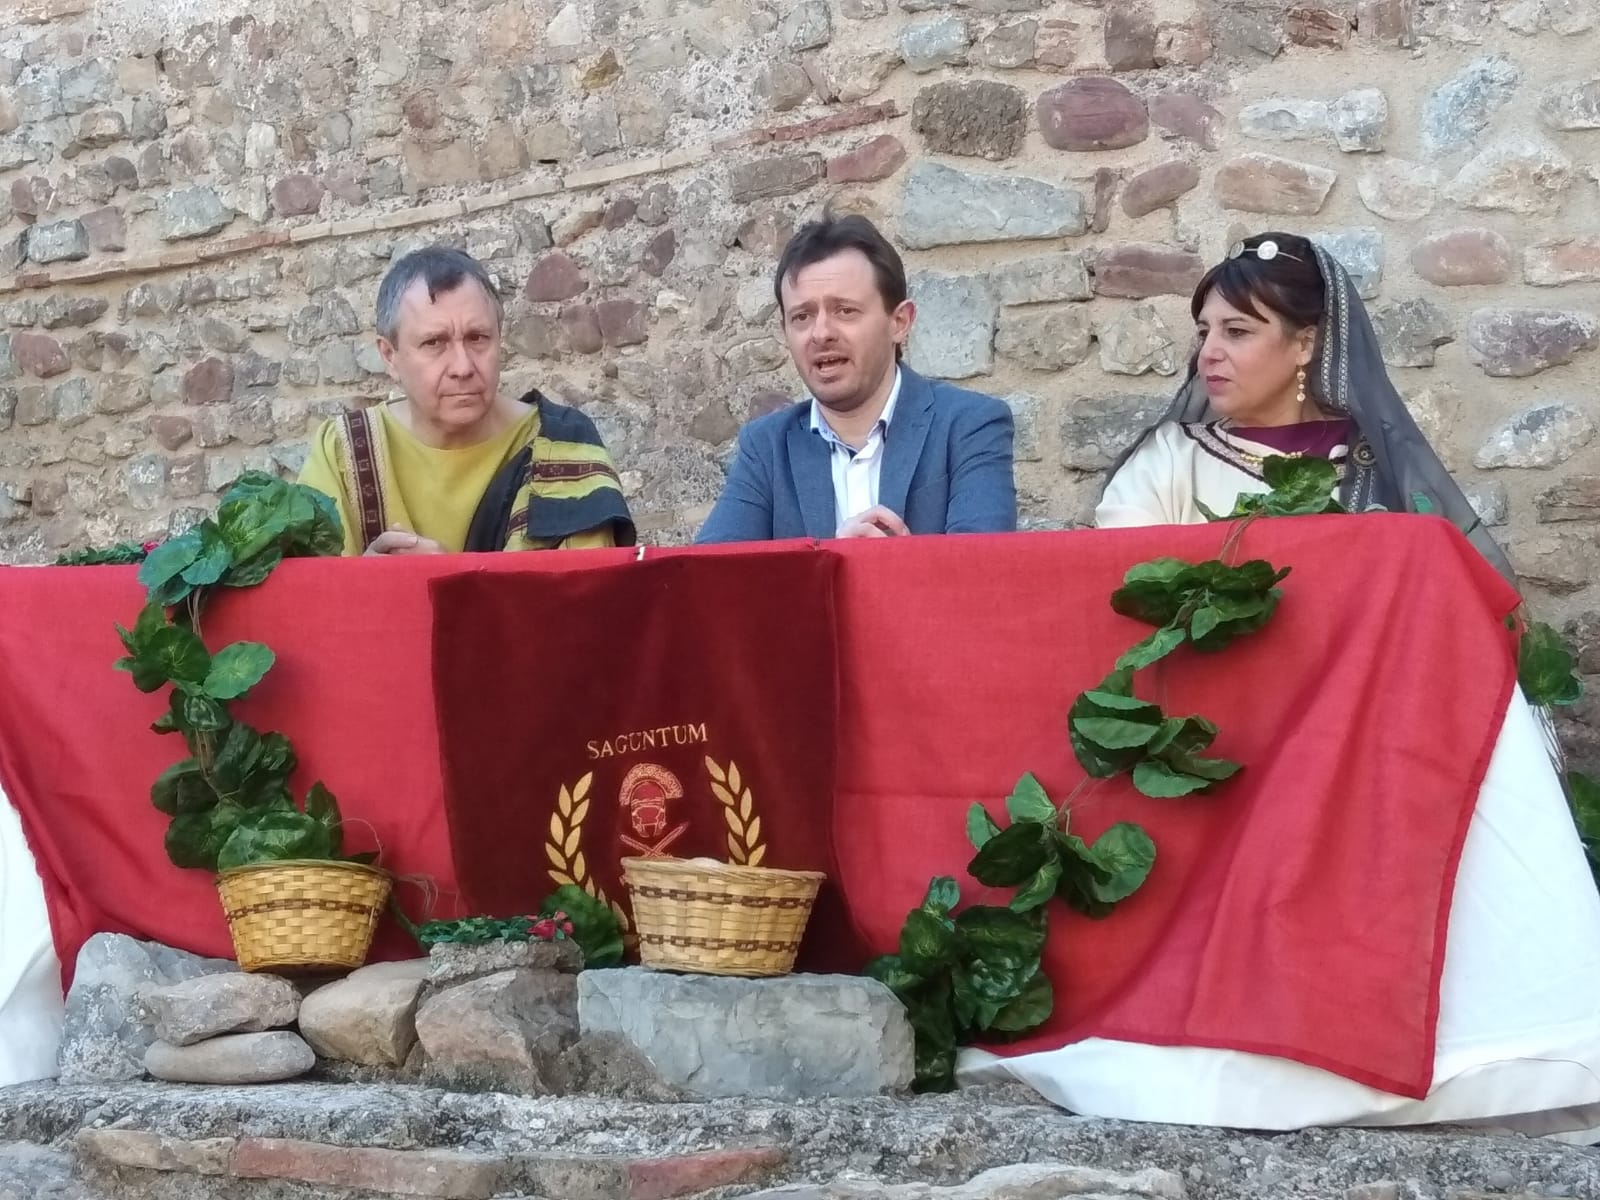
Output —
(946, 469)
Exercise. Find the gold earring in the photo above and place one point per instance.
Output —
(1300, 386)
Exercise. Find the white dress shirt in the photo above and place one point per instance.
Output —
(856, 472)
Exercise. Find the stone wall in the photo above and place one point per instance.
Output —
(197, 201)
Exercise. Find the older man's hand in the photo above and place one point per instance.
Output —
(399, 540)
(877, 521)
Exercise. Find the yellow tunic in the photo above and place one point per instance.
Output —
(430, 491)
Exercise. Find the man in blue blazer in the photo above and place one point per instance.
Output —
(876, 449)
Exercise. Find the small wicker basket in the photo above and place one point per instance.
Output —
(716, 919)
(302, 915)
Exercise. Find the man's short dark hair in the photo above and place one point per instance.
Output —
(442, 270)
(830, 235)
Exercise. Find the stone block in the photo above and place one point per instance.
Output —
(945, 207)
(1517, 342)
(369, 1016)
(441, 1173)
(1138, 342)
(1399, 190)
(57, 241)
(498, 1032)
(146, 1150)
(1523, 175)
(39, 354)
(1459, 109)
(1092, 113)
(1187, 117)
(1571, 104)
(953, 336)
(1359, 120)
(796, 1037)
(555, 276)
(104, 1036)
(1159, 186)
(1138, 270)
(1095, 429)
(1360, 252)
(1562, 261)
(1130, 36)
(978, 118)
(1410, 331)
(781, 175)
(1463, 257)
(233, 1002)
(928, 45)
(1283, 119)
(873, 160)
(1542, 435)
(192, 212)
(1265, 183)
(232, 1058)
(1044, 337)
(1042, 278)
(1022, 1181)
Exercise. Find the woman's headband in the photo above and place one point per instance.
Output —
(1266, 251)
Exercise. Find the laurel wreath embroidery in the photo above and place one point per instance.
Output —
(745, 847)
(565, 847)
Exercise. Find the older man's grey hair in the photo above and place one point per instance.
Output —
(441, 270)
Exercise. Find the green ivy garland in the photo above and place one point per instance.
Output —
(229, 800)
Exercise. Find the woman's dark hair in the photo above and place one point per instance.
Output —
(832, 235)
(1290, 284)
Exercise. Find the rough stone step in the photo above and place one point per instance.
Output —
(944, 1141)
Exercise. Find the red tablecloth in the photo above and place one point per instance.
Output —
(1301, 911)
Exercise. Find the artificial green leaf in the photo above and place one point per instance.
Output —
(1213, 770)
(1583, 795)
(321, 806)
(1203, 620)
(1116, 733)
(1029, 1010)
(237, 668)
(594, 925)
(944, 893)
(168, 561)
(931, 1012)
(1030, 802)
(274, 835)
(982, 987)
(927, 940)
(1546, 668)
(182, 788)
(1155, 778)
(1012, 856)
(200, 714)
(176, 654)
(1152, 649)
(980, 826)
(235, 758)
(253, 570)
(251, 523)
(1038, 889)
(164, 724)
(1210, 514)
(891, 971)
(1301, 486)
(195, 839)
(152, 617)
(214, 558)
(990, 931)
(1125, 854)
(1119, 703)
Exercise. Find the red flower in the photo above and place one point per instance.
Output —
(148, 546)
(544, 930)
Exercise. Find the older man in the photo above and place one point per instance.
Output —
(453, 464)
(876, 449)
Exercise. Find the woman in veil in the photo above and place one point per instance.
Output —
(1288, 364)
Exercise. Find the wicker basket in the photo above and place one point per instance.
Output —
(717, 919)
(302, 915)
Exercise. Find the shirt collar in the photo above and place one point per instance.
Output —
(820, 426)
